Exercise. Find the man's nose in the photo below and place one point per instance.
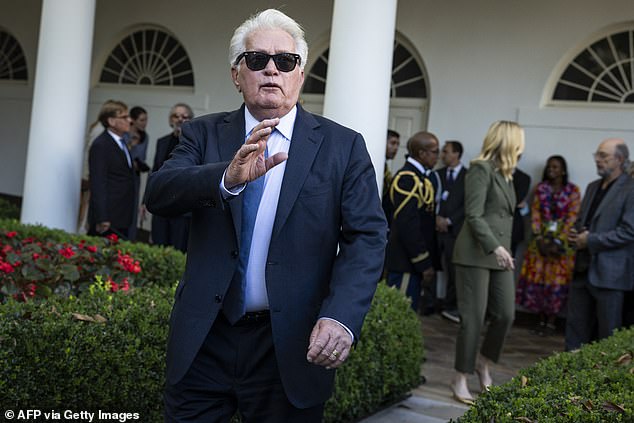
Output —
(270, 67)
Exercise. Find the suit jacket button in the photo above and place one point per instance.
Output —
(218, 298)
(235, 254)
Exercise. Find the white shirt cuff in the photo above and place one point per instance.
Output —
(233, 192)
(342, 325)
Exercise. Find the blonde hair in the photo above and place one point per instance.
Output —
(503, 144)
(110, 109)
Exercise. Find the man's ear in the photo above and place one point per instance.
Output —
(234, 77)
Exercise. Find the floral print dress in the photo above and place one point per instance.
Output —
(543, 282)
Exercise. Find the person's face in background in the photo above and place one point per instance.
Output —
(449, 157)
(606, 161)
(140, 122)
(554, 170)
(429, 156)
(392, 147)
(120, 124)
(179, 116)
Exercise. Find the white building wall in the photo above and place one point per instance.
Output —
(490, 60)
(486, 60)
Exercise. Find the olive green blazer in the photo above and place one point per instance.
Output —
(489, 205)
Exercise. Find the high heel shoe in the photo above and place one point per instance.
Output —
(464, 400)
(483, 387)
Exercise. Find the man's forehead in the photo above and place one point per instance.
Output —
(270, 40)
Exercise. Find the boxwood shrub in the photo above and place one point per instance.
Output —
(105, 351)
(593, 384)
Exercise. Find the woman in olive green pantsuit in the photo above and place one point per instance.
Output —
(484, 266)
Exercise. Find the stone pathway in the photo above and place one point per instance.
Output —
(432, 402)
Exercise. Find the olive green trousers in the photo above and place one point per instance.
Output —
(483, 293)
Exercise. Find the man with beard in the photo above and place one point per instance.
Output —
(604, 238)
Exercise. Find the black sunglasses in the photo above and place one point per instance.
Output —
(256, 61)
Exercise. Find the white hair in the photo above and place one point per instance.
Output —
(268, 19)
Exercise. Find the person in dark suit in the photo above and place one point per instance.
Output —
(391, 148)
(484, 264)
(449, 219)
(411, 257)
(521, 185)
(604, 239)
(111, 174)
(172, 231)
(286, 246)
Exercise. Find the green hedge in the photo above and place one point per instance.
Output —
(593, 384)
(161, 265)
(53, 357)
(8, 210)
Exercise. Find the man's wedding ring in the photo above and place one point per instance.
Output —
(335, 353)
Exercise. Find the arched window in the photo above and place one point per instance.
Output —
(408, 80)
(148, 57)
(12, 61)
(602, 72)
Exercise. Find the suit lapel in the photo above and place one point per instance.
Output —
(610, 196)
(304, 147)
(587, 201)
(506, 188)
(231, 137)
(117, 151)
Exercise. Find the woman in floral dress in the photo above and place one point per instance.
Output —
(549, 260)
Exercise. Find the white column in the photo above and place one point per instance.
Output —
(58, 116)
(360, 71)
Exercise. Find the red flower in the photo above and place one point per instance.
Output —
(113, 238)
(125, 286)
(27, 240)
(11, 234)
(6, 267)
(36, 256)
(6, 249)
(92, 248)
(67, 252)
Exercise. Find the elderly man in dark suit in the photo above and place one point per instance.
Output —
(286, 246)
(172, 231)
(449, 219)
(112, 205)
(604, 238)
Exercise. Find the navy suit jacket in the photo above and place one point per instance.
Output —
(111, 184)
(326, 250)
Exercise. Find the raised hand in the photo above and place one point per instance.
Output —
(249, 162)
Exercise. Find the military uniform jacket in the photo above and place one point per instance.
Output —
(411, 245)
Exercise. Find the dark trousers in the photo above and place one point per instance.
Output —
(408, 283)
(593, 313)
(235, 371)
(171, 231)
(446, 243)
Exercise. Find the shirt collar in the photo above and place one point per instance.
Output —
(456, 170)
(418, 166)
(285, 127)
(116, 137)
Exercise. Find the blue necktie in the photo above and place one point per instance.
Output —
(234, 305)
